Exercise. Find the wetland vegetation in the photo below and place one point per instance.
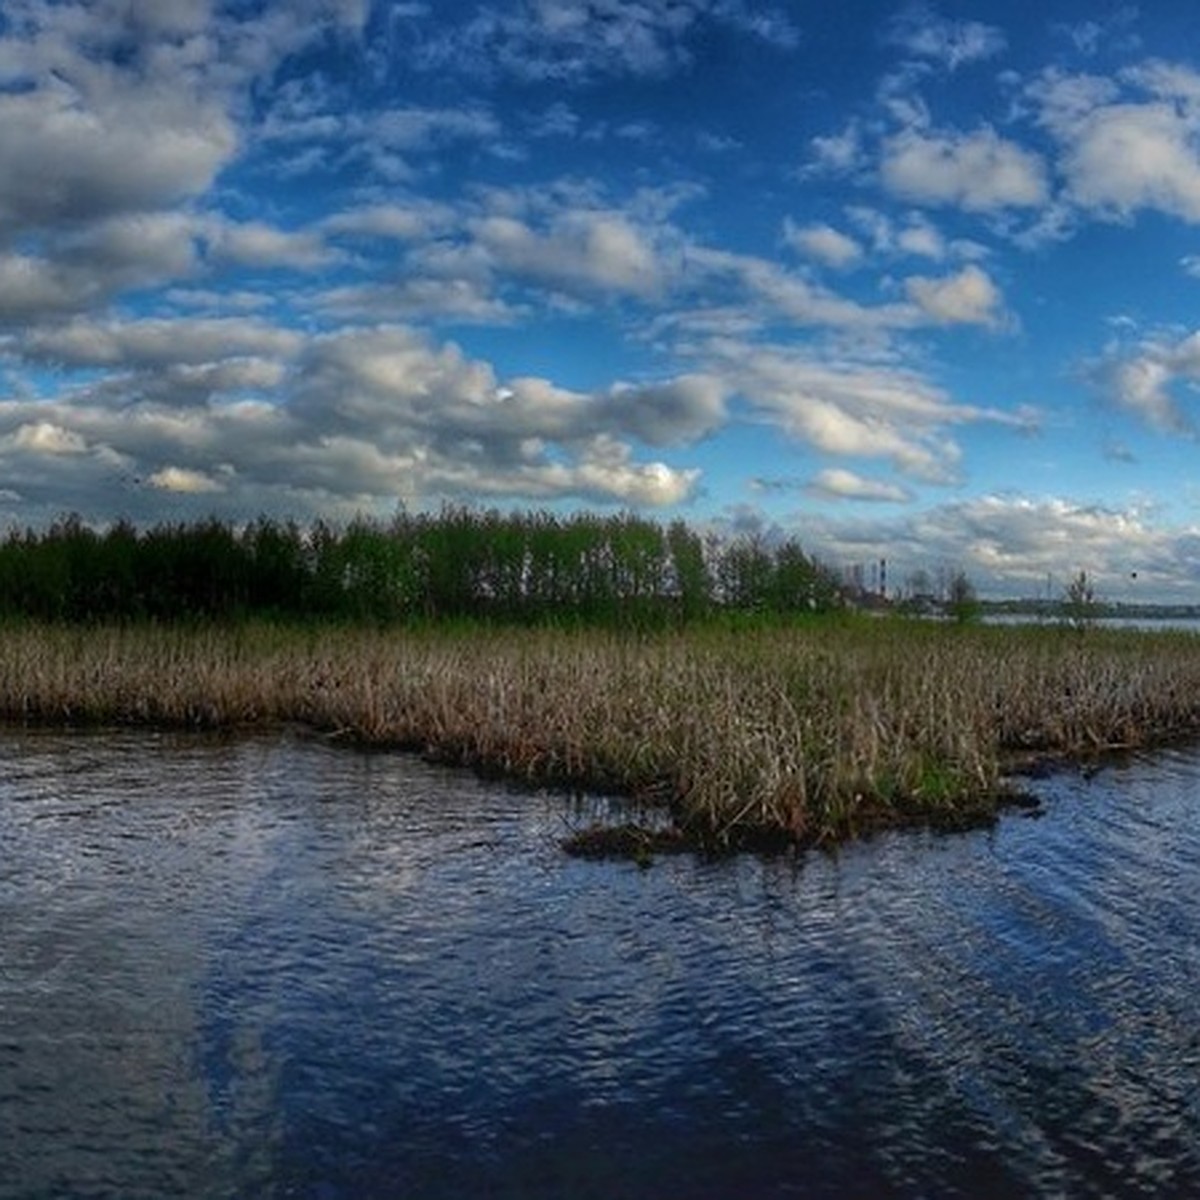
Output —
(801, 732)
(720, 684)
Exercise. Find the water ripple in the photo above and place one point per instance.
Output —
(267, 967)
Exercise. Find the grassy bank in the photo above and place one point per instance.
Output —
(807, 732)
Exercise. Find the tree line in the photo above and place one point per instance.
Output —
(459, 563)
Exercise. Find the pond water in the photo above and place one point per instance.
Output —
(270, 967)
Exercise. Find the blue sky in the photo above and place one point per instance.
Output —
(909, 281)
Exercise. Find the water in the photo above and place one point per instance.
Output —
(269, 968)
(1142, 624)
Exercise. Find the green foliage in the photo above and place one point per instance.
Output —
(961, 601)
(456, 565)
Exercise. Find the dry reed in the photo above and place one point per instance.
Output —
(802, 734)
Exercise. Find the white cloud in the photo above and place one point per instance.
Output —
(257, 244)
(413, 222)
(953, 44)
(912, 235)
(157, 342)
(837, 153)
(1144, 383)
(978, 171)
(188, 482)
(76, 152)
(967, 298)
(1128, 144)
(1126, 157)
(921, 239)
(419, 299)
(322, 134)
(126, 107)
(1010, 545)
(836, 483)
(344, 422)
(396, 390)
(44, 437)
(852, 409)
(586, 253)
(421, 129)
(823, 243)
(781, 294)
(573, 40)
(82, 267)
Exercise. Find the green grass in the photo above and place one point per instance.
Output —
(807, 732)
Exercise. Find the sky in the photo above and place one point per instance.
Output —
(910, 281)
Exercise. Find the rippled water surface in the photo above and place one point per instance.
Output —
(274, 968)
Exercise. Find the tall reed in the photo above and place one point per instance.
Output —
(807, 732)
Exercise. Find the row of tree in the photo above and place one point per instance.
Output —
(459, 563)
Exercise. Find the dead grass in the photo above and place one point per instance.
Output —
(805, 734)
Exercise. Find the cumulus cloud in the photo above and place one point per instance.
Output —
(257, 244)
(967, 298)
(263, 420)
(1128, 157)
(1145, 381)
(836, 483)
(676, 412)
(32, 287)
(586, 252)
(837, 153)
(910, 235)
(86, 149)
(118, 119)
(392, 381)
(84, 267)
(44, 437)
(157, 342)
(827, 245)
(129, 106)
(852, 410)
(977, 171)
(183, 480)
(1126, 144)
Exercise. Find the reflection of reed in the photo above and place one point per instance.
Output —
(808, 733)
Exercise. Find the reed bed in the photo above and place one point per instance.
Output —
(801, 734)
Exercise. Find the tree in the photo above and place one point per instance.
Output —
(1080, 602)
(961, 601)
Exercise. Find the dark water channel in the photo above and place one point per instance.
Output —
(269, 967)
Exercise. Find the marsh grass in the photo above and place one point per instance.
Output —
(798, 733)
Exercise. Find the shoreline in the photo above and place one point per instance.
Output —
(792, 735)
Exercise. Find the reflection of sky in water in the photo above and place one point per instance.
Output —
(270, 967)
